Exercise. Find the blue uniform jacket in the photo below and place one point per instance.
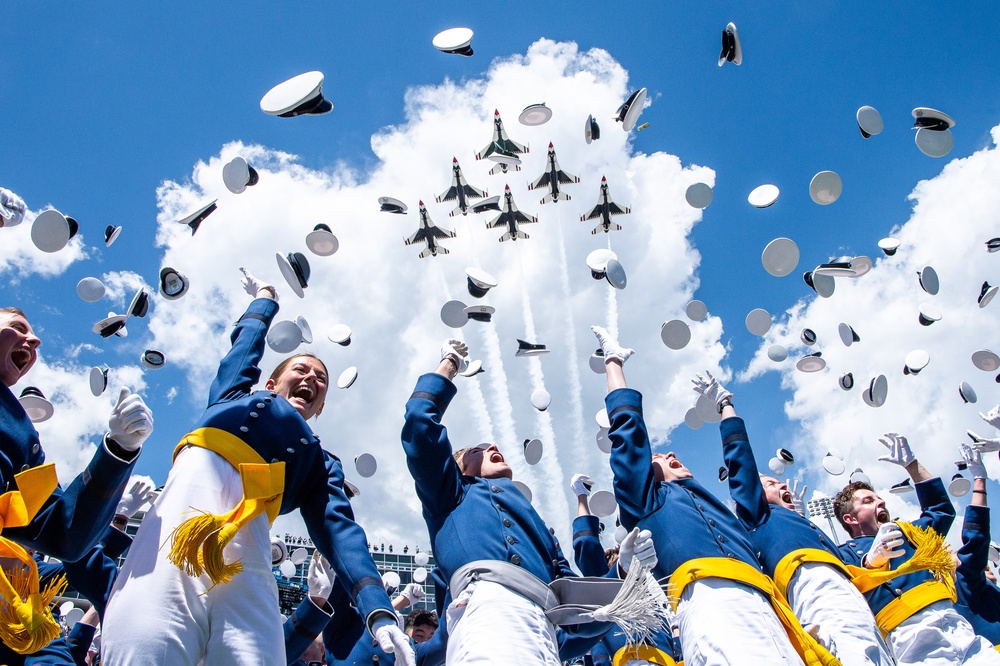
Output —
(590, 560)
(314, 478)
(978, 598)
(687, 521)
(774, 531)
(937, 512)
(470, 518)
(72, 520)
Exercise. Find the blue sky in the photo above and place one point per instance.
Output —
(119, 115)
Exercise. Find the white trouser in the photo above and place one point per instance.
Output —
(821, 595)
(489, 624)
(726, 623)
(938, 635)
(158, 614)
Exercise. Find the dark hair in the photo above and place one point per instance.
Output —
(288, 361)
(458, 455)
(14, 311)
(843, 503)
(421, 617)
(611, 555)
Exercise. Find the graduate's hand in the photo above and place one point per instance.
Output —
(131, 421)
(393, 641)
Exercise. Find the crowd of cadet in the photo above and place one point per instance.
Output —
(692, 580)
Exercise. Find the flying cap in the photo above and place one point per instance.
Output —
(696, 310)
(732, 50)
(692, 420)
(454, 40)
(51, 230)
(390, 581)
(419, 575)
(295, 269)
(535, 114)
(878, 390)
(707, 410)
(902, 487)
(859, 476)
(833, 465)
(825, 187)
(776, 466)
(287, 569)
(298, 556)
(822, 284)
(482, 313)
(967, 393)
(758, 321)
(153, 359)
(284, 336)
(540, 399)
(195, 219)
(959, 486)
(698, 195)
(347, 378)
(110, 325)
(928, 279)
(501, 155)
(931, 119)
(808, 337)
(340, 333)
(602, 503)
(591, 130)
(391, 205)
(366, 465)
(307, 334)
(780, 257)
(597, 262)
(173, 284)
(421, 559)
(916, 361)
(869, 121)
(602, 418)
(723, 473)
(532, 451)
(933, 143)
(994, 555)
(785, 456)
(35, 405)
(111, 234)
(485, 205)
(479, 281)
(986, 360)
(889, 246)
(993, 245)
(811, 362)
(763, 196)
(629, 112)
(597, 362)
(139, 306)
(846, 381)
(986, 294)
(279, 551)
(299, 95)
(98, 380)
(777, 353)
(603, 440)
(524, 489)
(847, 334)
(475, 367)
(530, 349)
(836, 267)
(238, 175)
(928, 314)
(614, 272)
(90, 289)
(453, 314)
(676, 334)
(321, 241)
(860, 265)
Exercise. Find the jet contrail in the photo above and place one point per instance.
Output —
(612, 306)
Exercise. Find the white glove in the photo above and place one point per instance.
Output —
(458, 352)
(140, 493)
(637, 545)
(710, 387)
(320, 576)
(888, 539)
(252, 285)
(974, 461)
(899, 450)
(580, 485)
(992, 417)
(983, 444)
(413, 592)
(11, 209)
(798, 497)
(131, 422)
(392, 640)
(610, 346)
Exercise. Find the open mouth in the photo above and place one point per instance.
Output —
(786, 497)
(304, 393)
(883, 516)
(20, 358)
(496, 457)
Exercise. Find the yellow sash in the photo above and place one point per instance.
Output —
(197, 543)
(809, 649)
(910, 602)
(790, 563)
(642, 651)
(26, 622)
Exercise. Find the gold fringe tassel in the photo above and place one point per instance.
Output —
(26, 622)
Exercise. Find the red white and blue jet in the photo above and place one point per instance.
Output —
(502, 150)
(429, 233)
(553, 178)
(460, 191)
(510, 217)
(604, 209)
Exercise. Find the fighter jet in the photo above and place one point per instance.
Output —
(552, 178)
(460, 191)
(604, 209)
(429, 233)
(510, 217)
(502, 149)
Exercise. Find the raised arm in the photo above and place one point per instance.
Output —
(937, 511)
